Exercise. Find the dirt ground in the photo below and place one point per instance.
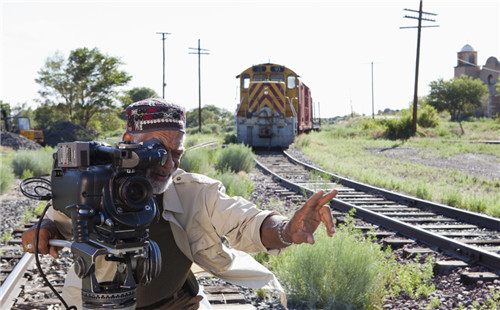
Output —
(480, 165)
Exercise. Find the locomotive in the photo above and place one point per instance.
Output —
(275, 106)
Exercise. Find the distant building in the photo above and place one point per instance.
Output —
(467, 64)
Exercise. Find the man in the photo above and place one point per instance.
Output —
(195, 214)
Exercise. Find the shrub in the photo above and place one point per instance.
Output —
(414, 279)
(196, 161)
(371, 124)
(6, 178)
(229, 129)
(427, 117)
(39, 162)
(398, 128)
(214, 128)
(206, 130)
(230, 138)
(236, 184)
(235, 158)
(342, 272)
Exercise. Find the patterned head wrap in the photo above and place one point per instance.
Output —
(155, 114)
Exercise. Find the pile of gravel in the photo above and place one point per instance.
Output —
(67, 132)
(16, 141)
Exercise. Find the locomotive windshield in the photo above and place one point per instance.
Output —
(259, 77)
(277, 69)
(277, 77)
(259, 69)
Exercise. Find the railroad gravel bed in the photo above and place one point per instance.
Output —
(451, 292)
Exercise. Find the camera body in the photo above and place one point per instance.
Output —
(106, 193)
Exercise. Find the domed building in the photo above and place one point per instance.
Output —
(467, 64)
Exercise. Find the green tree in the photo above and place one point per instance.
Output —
(210, 114)
(459, 96)
(137, 94)
(85, 83)
(498, 86)
(48, 114)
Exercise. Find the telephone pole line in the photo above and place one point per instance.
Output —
(163, 38)
(373, 92)
(415, 93)
(199, 51)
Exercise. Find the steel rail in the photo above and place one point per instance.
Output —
(8, 292)
(470, 217)
(201, 145)
(448, 246)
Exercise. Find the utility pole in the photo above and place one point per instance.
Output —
(373, 99)
(163, 38)
(415, 93)
(373, 92)
(200, 51)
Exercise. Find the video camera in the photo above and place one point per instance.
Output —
(106, 193)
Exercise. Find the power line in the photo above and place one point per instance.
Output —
(163, 38)
(420, 19)
(200, 51)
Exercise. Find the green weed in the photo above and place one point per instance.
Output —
(236, 158)
(7, 236)
(6, 178)
(39, 162)
(196, 161)
(236, 184)
(342, 272)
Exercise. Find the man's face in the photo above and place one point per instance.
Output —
(160, 176)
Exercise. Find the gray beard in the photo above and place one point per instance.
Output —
(158, 187)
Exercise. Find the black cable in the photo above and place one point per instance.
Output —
(37, 260)
(46, 186)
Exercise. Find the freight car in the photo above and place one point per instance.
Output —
(274, 106)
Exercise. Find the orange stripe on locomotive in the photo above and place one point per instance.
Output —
(267, 94)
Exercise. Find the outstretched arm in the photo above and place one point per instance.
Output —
(278, 232)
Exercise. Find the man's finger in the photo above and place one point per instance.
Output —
(53, 251)
(303, 236)
(324, 199)
(327, 219)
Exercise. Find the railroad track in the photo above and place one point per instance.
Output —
(471, 238)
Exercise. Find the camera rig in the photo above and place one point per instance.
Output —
(106, 193)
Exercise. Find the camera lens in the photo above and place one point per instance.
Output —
(134, 192)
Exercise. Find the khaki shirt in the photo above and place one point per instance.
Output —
(200, 214)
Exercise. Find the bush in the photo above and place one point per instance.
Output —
(414, 279)
(229, 129)
(230, 138)
(196, 161)
(6, 178)
(342, 272)
(206, 130)
(236, 184)
(38, 162)
(398, 128)
(235, 158)
(427, 117)
(214, 128)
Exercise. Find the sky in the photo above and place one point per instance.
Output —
(333, 45)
